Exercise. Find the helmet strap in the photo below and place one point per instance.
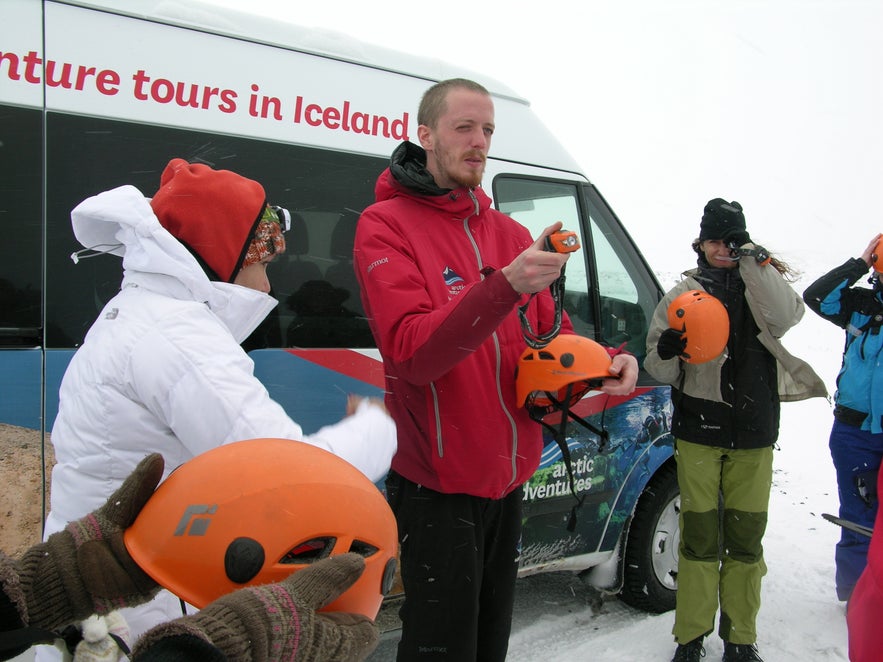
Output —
(537, 340)
(559, 435)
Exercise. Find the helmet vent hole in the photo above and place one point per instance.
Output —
(363, 548)
(243, 560)
(309, 551)
(546, 356)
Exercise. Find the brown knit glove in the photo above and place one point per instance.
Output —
(279, 621)
(85, 569)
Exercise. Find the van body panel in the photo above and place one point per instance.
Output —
(21, 380)
(312, 385)
(274, 92)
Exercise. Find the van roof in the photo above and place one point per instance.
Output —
(280, 33)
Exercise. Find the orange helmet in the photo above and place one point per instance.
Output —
(877, 257)
(567, 359)
(704, 321)
(253, 512)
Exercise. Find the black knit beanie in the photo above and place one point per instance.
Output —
(723, 220)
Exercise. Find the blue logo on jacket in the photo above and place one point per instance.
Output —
(451, 277)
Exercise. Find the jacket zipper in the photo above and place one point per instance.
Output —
(497, 353)
(438, 426)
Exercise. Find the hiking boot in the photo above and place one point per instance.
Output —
(692, 651)
(740, 653)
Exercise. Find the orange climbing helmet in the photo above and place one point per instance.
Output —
(252, 512)
(877, 257)
(566, 361)
(704, 322)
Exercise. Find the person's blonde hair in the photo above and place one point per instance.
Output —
(434, 101)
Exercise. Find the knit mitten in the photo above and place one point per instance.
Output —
(85, 569)
(279, 621)
(105, 639)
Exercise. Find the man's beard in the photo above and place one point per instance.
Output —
(470, 181)
(470, 178)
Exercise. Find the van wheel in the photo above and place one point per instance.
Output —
(651, 554)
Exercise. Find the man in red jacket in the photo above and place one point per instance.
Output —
(442, 276)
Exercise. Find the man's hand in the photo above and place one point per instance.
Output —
(535, 268)
(625, 367)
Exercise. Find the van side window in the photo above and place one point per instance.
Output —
(319, 303)
(609, 295)
(536, 204)
(22, 246)
(325, 310)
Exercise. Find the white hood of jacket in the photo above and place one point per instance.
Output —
(121, 222)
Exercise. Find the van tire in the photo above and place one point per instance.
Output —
(651, 554)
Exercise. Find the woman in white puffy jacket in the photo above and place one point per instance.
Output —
(161, 369)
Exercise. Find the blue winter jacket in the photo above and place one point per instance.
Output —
(858, 310)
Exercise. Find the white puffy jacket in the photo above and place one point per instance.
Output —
(161, 370)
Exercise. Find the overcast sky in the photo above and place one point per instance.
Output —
(775, 103)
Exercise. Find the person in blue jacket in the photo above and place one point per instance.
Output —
(856, 440)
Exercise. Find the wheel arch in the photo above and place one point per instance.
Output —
(657, 455)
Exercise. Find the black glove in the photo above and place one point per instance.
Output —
(671, 343)
(736, 238)
(85, 569)
(277, 621)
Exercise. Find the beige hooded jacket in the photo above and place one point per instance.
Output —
(775, 308)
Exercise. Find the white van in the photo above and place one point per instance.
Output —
(94, 95)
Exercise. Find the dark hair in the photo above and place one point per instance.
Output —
(434, 101)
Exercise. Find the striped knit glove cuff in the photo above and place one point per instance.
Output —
(279, 621)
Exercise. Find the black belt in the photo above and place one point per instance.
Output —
(849, 416)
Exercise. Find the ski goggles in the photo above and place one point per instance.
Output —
(268, 239)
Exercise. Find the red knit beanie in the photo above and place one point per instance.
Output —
(212, 212)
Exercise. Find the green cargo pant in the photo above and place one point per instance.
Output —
(720, 554)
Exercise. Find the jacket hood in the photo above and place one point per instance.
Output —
(121, 222)
(407, 176)
(408, 166)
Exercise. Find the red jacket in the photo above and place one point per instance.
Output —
(445, 320)
(866, 602)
